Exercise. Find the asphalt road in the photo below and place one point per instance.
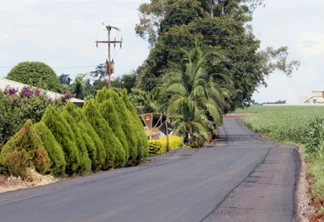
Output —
(242, 178)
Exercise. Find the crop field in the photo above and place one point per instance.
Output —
(281, 123)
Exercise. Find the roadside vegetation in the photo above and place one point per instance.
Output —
(302, 125)
(204, 61)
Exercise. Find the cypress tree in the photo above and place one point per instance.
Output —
(54, 150)
(108, 112)
(139, 125)
(126, 122)
(111, 143)
(64, 136)
(85, 162)
(25, 147)
(94, 145)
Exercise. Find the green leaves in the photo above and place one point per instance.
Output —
(36, 74)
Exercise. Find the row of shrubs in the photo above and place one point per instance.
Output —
(159, 147)
(105, 133)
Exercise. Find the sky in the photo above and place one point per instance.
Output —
(62, 33)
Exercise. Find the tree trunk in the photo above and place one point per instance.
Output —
(190, 134)
(211, 8)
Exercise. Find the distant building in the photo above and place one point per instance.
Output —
(5, 83)
(316, 98)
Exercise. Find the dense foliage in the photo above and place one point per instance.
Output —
(36, 74)
(215, 76)
(159, 147)
(24, 149)
(17, 107)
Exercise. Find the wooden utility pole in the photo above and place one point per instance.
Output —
(110, 63)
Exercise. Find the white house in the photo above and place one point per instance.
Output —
(317, 97)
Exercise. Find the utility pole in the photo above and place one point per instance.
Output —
(110, 63)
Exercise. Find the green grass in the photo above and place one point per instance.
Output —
(289, 123)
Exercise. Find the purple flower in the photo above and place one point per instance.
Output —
(12, 91)
(27, 92)
(37, 92)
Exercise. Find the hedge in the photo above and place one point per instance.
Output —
(158, 147)
(95, 147)
(85, 162)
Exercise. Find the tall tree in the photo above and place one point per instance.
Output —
(230, 31)
(189, 94)
(100, 72)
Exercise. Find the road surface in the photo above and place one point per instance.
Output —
(242, 178)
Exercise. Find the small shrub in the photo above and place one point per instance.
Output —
(156, 147)
(159, 147)
(25, 140)
(16, 163)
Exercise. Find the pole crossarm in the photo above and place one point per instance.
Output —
(110, 64)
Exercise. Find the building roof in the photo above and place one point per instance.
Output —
(5, 83)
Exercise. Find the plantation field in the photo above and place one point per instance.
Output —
(281, 123)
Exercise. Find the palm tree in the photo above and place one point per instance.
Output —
(191, 81)
(192, 122)
(79, 86)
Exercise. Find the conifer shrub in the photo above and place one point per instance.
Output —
(96, 150)
(64, 136)
(16, 163)
(105, 133)
(85, 162)
(27, 148)
(126, 122)
(139, 126)
(108, 112)
(53, 148)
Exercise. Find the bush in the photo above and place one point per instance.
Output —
(108, 112)
(96, 150)
(139, 126)
(126, 122)
(28, 145)
(156, 147)
(16, 163)
(105, 133)
(16, 109)
(53, 148)
(36, 74)
(85, 162)
(159, 147)
(64, 136)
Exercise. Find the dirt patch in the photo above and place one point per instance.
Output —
(32, 179)
(303, 208)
